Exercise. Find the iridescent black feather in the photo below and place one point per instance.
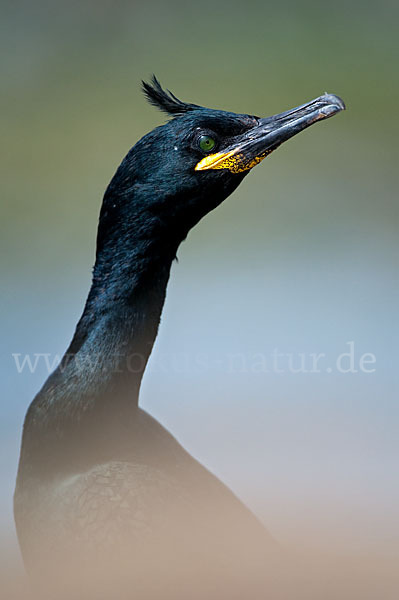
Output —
(164, 99)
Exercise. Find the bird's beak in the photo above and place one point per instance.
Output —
(251, 148)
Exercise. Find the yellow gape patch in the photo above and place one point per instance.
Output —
(234, 161)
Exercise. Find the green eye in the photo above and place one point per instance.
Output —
(206, 143)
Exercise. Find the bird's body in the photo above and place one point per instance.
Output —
(154, 511)
(104, 493)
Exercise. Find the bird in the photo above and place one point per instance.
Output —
(107, 502)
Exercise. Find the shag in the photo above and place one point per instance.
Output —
(107, 503)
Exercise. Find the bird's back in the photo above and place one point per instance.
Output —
(152, 521)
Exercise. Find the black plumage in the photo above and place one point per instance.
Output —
(100, 482)
(165, 100)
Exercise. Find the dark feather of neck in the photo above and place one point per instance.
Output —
(87, 408)
(115, 335)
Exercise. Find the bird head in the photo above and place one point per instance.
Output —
(183, 169)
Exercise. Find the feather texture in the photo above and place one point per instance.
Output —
(164, 99)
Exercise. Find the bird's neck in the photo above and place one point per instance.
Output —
(87, 408)
(115, 335)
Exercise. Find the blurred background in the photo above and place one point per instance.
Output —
(301, 260)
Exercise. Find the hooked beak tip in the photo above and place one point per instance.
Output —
(334, 104)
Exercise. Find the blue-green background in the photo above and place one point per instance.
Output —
(302, 258)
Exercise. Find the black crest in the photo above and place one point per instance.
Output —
(164, 99)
